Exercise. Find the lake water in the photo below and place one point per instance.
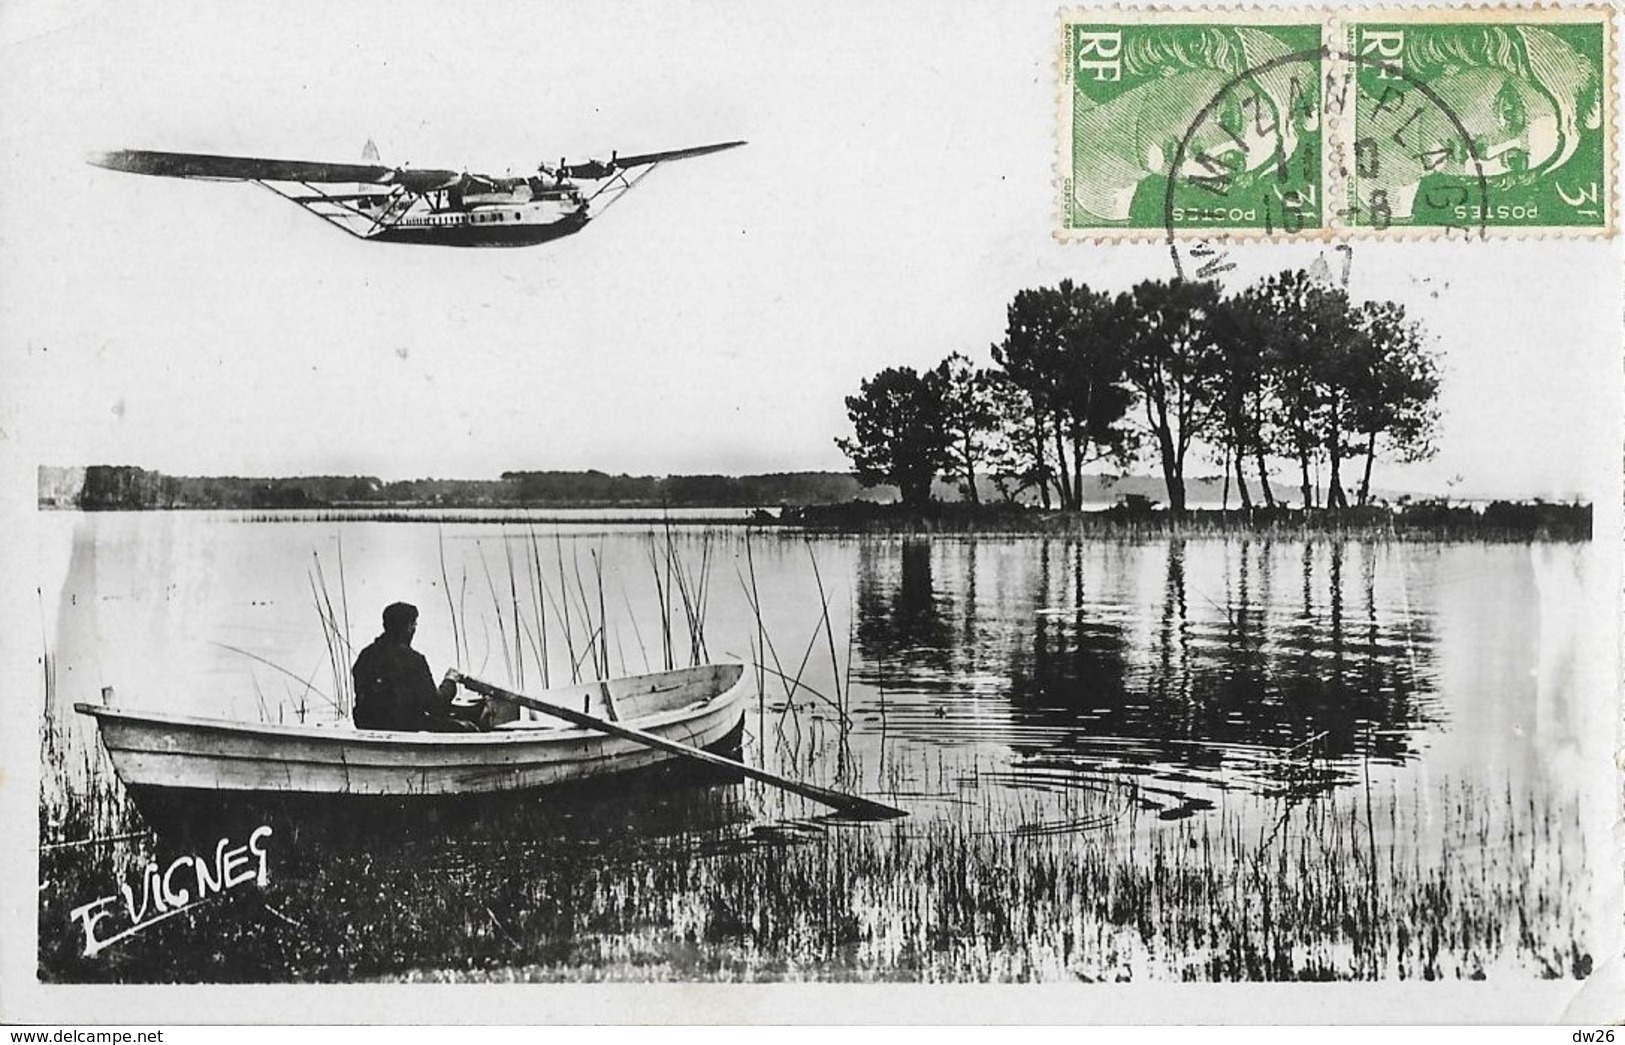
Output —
(1117, 748)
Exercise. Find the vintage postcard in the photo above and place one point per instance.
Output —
(936, 512)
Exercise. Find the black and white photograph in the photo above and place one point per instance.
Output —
(434, 566)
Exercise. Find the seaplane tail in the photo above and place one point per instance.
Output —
(369, 154)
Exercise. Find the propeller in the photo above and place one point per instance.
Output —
(591, 170)
(426, 180)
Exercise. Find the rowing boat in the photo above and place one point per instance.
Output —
(174, 764)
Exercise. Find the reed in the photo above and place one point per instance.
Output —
(792, 683)
(539, 608)
(563, 605)
(298, 701)
(81, 801)
(335, 633)
(469, 517)
(513, 674)
(983, 886)
(445, 588)
(1423, 522)
(691, 585)
(530, 595)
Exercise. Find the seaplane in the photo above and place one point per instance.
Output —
(373, 201)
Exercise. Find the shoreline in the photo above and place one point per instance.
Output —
(1499, 521)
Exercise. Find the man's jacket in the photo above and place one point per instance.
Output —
(394, 688)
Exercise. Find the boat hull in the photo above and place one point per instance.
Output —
(672, 792)
(157, 753)
(520, 234)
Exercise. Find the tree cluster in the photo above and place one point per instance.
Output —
(1288, 372)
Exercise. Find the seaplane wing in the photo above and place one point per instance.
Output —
(677, 154)
(595, 170)
(611, 175)
(420, 205)
(246, 168)
(236, 168)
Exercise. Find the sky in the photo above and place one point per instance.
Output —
(895, 194)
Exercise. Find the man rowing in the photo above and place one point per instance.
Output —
(394, 688)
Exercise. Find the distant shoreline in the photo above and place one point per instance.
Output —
(129, 487)
(1498, 521)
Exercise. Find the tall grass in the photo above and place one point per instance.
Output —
(335, 632)
(1470, 882)
(976, 896)
(1423, 522)
(81, 801)
(528, 609)
(474, 516)
(546, 602)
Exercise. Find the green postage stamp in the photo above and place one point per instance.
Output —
(1309, 123)
(1479, 118)
(1192, 120)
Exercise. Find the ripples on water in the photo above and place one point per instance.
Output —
(1284, 675)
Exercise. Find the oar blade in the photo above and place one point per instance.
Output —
(849, 806)
(855, 808)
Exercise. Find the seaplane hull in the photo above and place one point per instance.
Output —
(465, 234)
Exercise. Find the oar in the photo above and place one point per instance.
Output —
(852, 805)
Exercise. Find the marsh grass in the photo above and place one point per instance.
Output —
(510, 517)
(1473, 883)
(82, 803)
(532, 615)
(789, 675)
(971, 896)
(89, 830)
(1425, 522)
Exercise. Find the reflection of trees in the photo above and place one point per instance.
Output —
(902, 620)
(1357, 689)
(1075, 660)
(1250, 660)
(1209, 677)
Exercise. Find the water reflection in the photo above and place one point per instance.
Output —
(1280, 668)
(901, 617)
